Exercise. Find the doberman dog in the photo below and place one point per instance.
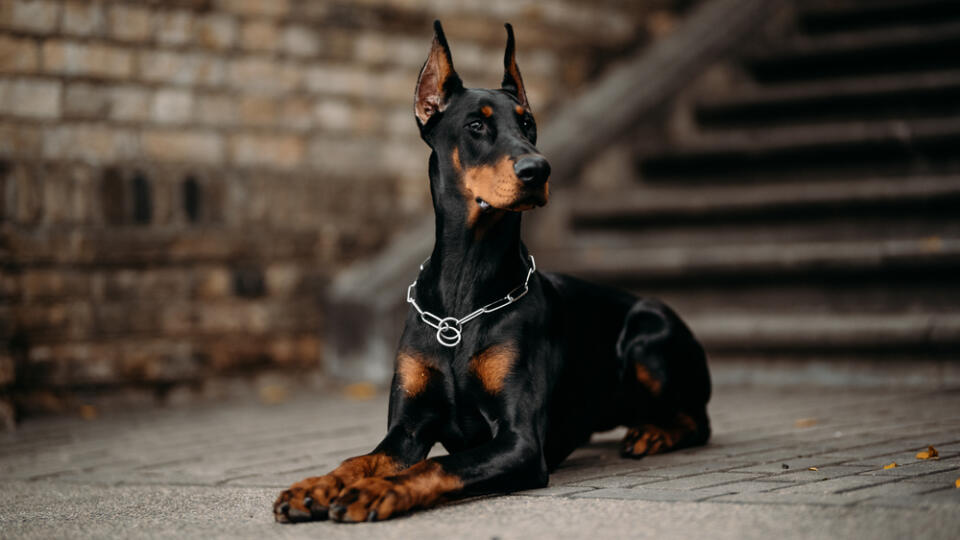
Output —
(514, 387)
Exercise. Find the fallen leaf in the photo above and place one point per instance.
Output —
(890, 466)
(360, 391)
(812, 469)
(273, 394)
(805, 422)
(931, 453)
(957, 483)
(88, 412)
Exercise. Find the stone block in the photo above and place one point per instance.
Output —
(262, 75)
(130, 22)
(259, 35)
(19, 55)
(280, 151)
(85, 100)
(300, 40)
(30, 98)
(94, 143)
(39, 16)
(193, 69)
(172, 106)
(130, 103)
(173, 27)
(216, 31)
(273, 8)
(87, 59)
(189, 146)
(86, 18)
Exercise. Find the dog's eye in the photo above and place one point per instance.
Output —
(526, 123)
(476, 126)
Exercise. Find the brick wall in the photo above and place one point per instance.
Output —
(178, 179)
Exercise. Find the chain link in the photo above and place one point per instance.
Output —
(450, 329)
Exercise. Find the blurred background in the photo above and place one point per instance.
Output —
(209, 198)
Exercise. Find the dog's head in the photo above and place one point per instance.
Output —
(483, 140)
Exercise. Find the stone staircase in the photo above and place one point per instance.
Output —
(801, 199)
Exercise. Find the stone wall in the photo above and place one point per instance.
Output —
(179, 179)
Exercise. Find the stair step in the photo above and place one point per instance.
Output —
(828, 16)
(821, 333)
(882, 147)
(930, 94)
(841, 295)
(657, 204)
(776, 260)
(888, 50)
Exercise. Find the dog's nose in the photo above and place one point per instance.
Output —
(532, 170)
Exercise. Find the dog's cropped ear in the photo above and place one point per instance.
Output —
(438, 81)
(512, 82)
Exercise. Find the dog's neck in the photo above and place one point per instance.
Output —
(469, 269)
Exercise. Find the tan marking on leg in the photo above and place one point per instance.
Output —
(413, 372)
(647, 380)
(493, 365)
(651, 439)
(323, 489)
(487, 111)
(420, 486)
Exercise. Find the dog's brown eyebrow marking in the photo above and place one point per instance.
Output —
(414, 372)
(487, 111)
(493, 365)
(519, 110)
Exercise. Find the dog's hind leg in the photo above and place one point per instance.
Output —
(666, 382)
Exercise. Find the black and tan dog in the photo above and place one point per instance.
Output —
(513, 390)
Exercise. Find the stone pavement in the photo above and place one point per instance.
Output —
(797, 463)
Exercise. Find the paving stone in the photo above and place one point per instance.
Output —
(617, 481)
(777, 497)
(832, 485)
(555, 491)
(793, 465)
(644, 494)
(945, 478)
(825, 472)
(702, 480)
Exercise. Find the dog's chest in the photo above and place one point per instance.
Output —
(471, 420)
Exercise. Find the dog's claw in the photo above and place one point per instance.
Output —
(336, 511)
(295, 514)
(372, 516)
(307, 502)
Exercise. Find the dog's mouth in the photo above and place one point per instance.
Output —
(528, 201)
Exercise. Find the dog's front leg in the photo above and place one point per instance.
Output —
(509, 462)
(415, 399)
(309, 499)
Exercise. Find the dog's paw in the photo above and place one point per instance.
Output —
(644, 441)
(307, 500)
(371, 499)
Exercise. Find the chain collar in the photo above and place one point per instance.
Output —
(450, 329)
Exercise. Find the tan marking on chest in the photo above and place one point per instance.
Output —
(493, 365)
(413, 372)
